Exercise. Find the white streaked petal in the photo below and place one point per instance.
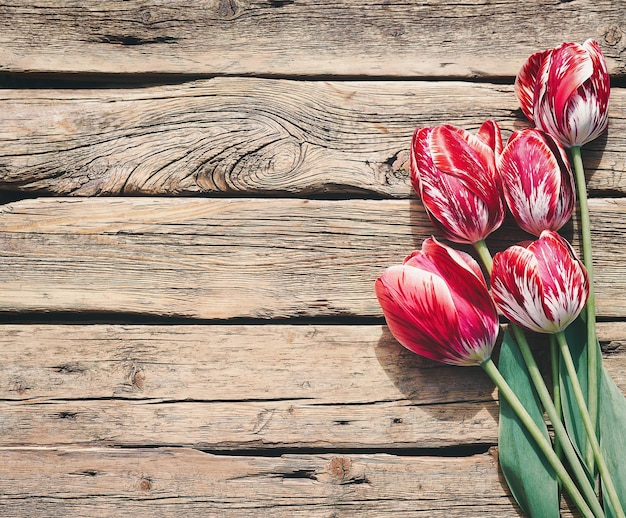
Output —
(517, 291)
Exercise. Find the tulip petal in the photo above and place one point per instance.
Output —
(455, 175)
(420, 162)
(600, 84)
(586, 111)
(468, 288)
(566, 198)
(570, 67)
(538, 183)
(489, 133)
(465, 156)
(419, 311)
(564, 282)
(571, 92)
(516, 289)
(437, 305)
(476, 311)
(586, 119)
(542, 287)
(466, 283)
(431, 248)
(455, 211)
(526, 82)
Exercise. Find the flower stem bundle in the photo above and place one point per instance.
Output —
(439, 304)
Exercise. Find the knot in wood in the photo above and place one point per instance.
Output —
(613, 35)
(227, 9)
(339, 468)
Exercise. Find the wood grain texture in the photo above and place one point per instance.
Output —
(244, 387)
(174, 482)
(219, 259)
(279, 392)
(310, 37)
(258, 136)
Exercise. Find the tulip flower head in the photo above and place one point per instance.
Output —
(538, 181)
(454, 172)
(565, 92)
(437, 305)
(542, 287)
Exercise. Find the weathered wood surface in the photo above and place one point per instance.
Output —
(307, 407)
(345, 38)
(177, 482)
(229, 387)
(259, 136)
(243, 387)
(219, 259)
(39, 364)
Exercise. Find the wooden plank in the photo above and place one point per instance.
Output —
(224, 387)
(239, 135)
(344, 37)
(234, 387)
(175, 482)
(223, 363)
(289, 423)
(227, 258)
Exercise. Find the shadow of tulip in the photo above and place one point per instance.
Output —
(592, 154)
(508, 234)
(456, 404)
(421, 227)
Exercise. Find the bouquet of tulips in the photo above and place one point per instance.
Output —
(440, 305)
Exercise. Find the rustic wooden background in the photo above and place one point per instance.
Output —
(197, 198)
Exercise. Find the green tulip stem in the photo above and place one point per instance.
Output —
(542, 441)
(483, 253)
(556, 386)
(560, 433)
(592, 351)
(608, 486)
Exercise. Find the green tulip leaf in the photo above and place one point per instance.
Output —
(531, 479)
(576, 335)
(612, 420)
(611, 412)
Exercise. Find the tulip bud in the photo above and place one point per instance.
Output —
(565, 92)
(538, 182)
(437, 305)
(455, 175)
(542, 287)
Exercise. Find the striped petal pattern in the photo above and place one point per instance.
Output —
(542, 287)
(565, 92)
(538, 182)
(437, 305)
(454, 172)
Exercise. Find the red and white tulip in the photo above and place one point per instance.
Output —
(454, 172)
(437, 305)
(538, 181)
(542, 287)
(565, 92)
